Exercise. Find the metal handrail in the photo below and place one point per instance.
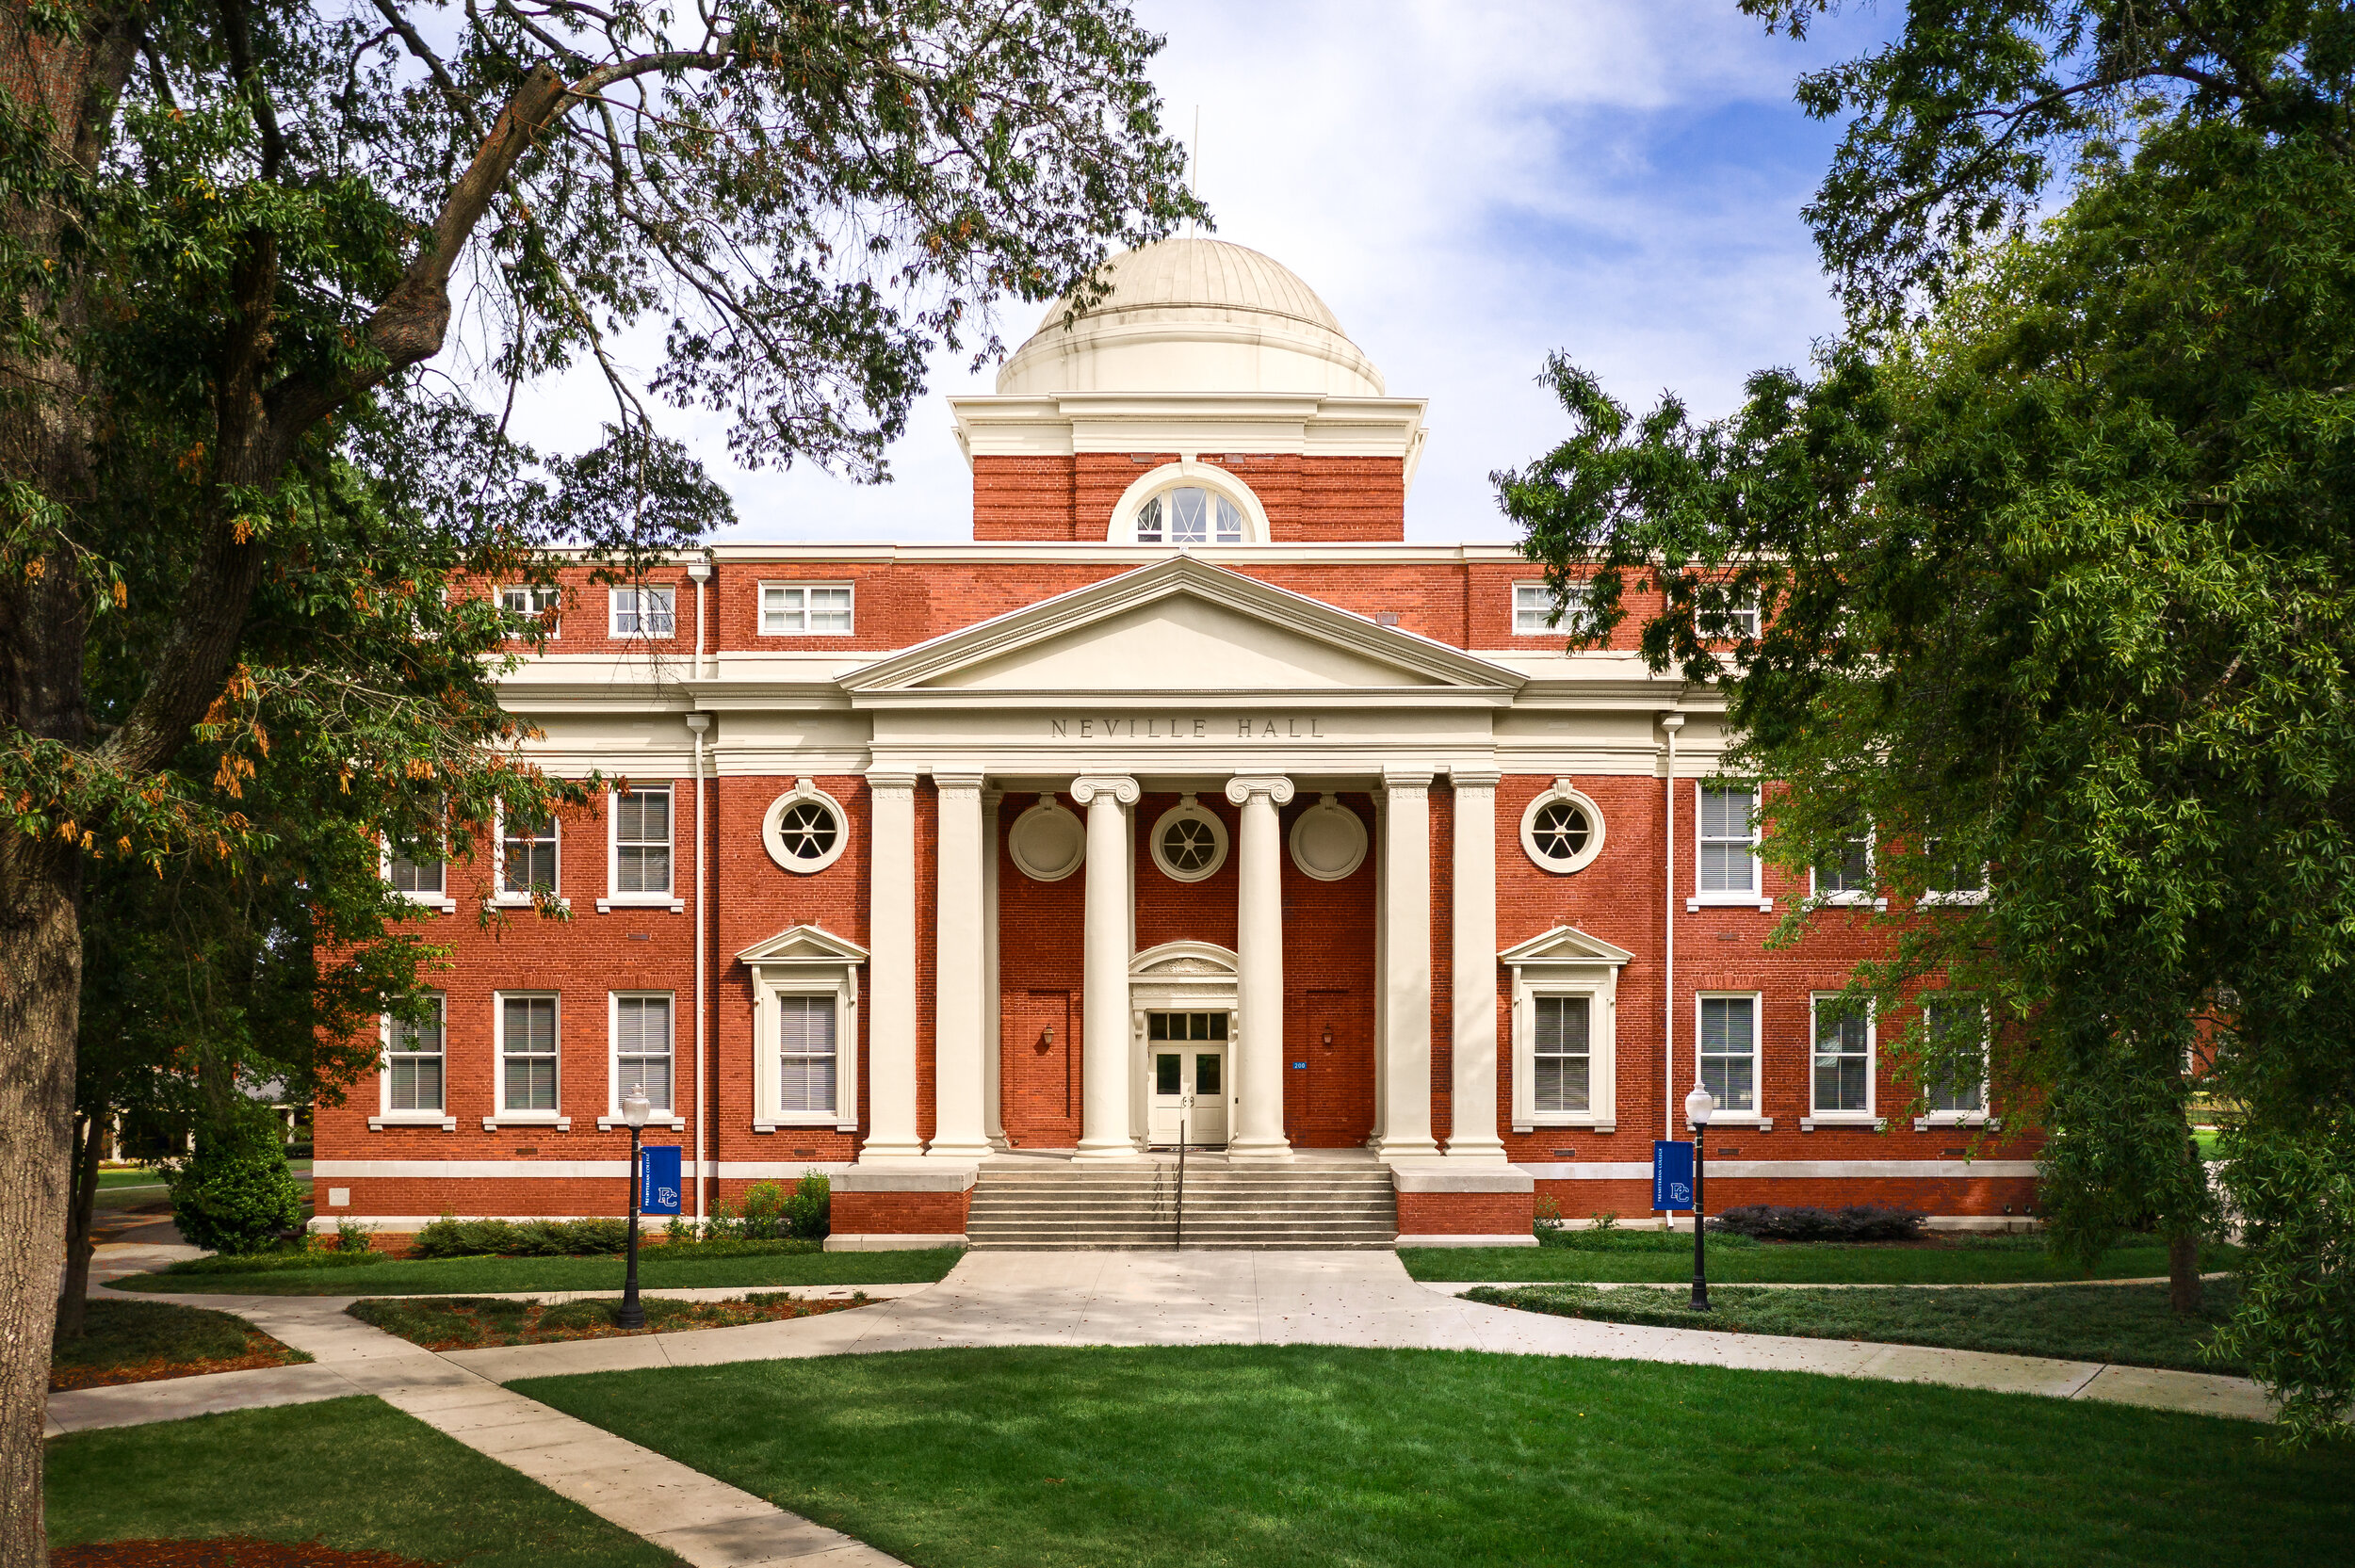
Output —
(1177, 1243)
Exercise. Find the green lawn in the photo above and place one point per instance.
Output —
(1265, 1456)
(152, 1339)
(2129, 1324)
(484, 1276)
(355, 1474)
(1661, 1257)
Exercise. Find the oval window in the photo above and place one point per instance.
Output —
(804, 830)
(1190, 515)
(1189, 842)
(1562, 830)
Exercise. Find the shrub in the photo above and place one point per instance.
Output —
(1857, 1222)
(809, 1212)
(770, 1213)
(453, 1237)
(352, 1238)
(235, 1194)
(1548, 1221)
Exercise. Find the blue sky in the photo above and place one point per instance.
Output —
(1469, 186)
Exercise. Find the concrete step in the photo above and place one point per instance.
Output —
(1135, 1207)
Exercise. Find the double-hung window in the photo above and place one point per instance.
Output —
(808, 1052)
(1952, 881)
(1842, 1077)
(805, 609)
(539, 600)
(641, 1050)
(1729, 1052)
(1534, 611)
(526, 855)
(641, 844)
(1956, 1056)
(1846, 876)
(644, 611)
(527, 1049)
(420, 879)
(1563, 1050)
(413, 1055)
(1729, 843)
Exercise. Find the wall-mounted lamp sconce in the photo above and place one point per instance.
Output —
(1329, 1037)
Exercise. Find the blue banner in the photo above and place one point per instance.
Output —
(658, 1181)
(1671, 1176)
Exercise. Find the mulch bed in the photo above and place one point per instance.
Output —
(469, 1322)
(64, 1378)
(226, 1551)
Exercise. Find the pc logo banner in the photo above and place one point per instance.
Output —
(1671, 1175)
(659, 1180)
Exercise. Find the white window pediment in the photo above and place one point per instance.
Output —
(805, 967)
(1566, 989)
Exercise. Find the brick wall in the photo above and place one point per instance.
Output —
(1465, 1213)
(899, 1213)
(1307, 499)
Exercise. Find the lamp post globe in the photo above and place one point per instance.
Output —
(1699, 1106)
(636, 1108)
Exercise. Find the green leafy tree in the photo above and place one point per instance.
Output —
(232, 237)
(235, 1193)
(2055, 554)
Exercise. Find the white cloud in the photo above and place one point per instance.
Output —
(1469, 186)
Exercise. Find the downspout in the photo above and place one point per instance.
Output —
(1671, 723)
(700, 570)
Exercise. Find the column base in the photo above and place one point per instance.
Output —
(1276, 1152)
(874, 1152)
(966, 1152)
(1476, 1151)
(1394, 1149)
(1105, 1150)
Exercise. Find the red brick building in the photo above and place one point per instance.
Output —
(1187, 789)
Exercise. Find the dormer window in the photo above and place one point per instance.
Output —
(1190, 515)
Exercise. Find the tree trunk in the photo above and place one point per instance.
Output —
(2183, 1272)
(82, 1217)
(40, 1000)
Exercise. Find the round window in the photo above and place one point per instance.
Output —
(1189, 515)
(1189, 842)
(1328, 841)
(804, 830)
(1562, 830)
(1047, 842)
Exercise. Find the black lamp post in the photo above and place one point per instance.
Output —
(635, 1110)
(1698, 1107)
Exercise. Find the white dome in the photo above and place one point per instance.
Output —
(1195, 316)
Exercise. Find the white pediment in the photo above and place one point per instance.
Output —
(1184, 960)
(803, 944)
(1565, 944)
(1180, 627)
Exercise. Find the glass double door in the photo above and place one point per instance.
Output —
(1186, 1059)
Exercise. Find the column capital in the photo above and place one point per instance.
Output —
(1085, 788)
(1242, 786)
(1406, 778)
(957, 778)
(890, 778)
(1474, 777)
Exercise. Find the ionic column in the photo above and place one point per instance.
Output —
(1258, 1129)
(1406, 1132)
(1104, 1129)
(958, 1129)
(1472, 1094)
(891, 970)
(993, 1064)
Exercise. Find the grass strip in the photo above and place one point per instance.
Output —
(463, 1322)
(2131, 1325)
(1663, 1257)
(482, 1276)
(354, 1473)
(143, 1341)
(1293, 1456)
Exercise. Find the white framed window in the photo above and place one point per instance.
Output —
(420, 878)
(1564, 1053)
(1846, 876)
(640, 830)
(1952, 881)
(810, 1050)
(527, 857)
(1189, 841)
(541, 601)
(1839, 1076)
(1726, 868)
(1562, 830)
(644, 611)
(1722, 616)
(1566, 987)
(806, 610)
(805, 829)
(642, 1030)
(805, 1029)
(1725, 1040)
(1534, 611)
(529, 1029)
(1189, 514)
(1956, 1031)
(414, 1085)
